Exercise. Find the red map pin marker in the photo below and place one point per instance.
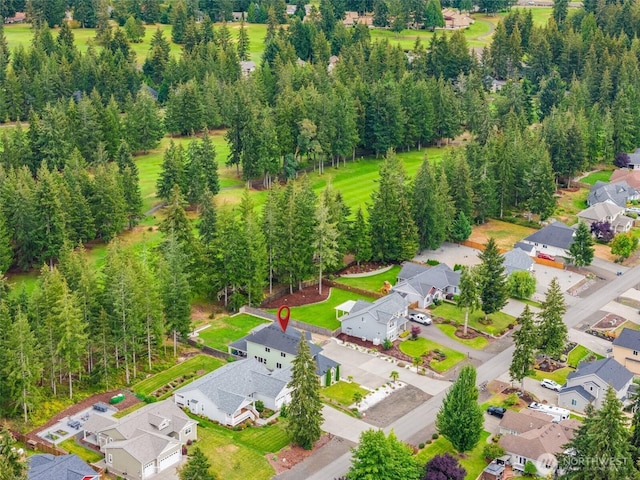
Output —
(283, 319)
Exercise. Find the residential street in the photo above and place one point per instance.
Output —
(410, 426)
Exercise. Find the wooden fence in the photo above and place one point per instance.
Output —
(295, 323)
(214, 352)
(349, 288)
(283, 290)
(548, 263)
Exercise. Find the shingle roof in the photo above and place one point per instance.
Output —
(145, 446)
(521, 422)
(628, 338)
(272, 336)
(634, 158)
(517, 259)
(440, 276)
(616, 192)
(410, 269)
(556, 234)
(382, 310)
(65, 467)
(532, 444)
(608, 370)
(629, 177)
(580, 390)
(523, 246)
(601, 211)
(232, 385)
(323, 364)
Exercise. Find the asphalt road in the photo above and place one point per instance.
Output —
(414, 422)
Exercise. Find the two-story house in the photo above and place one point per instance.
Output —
(589, 383)
(554, 239)
(607, 211)
(426, 284)
(276, 350)
(626, 350)
(384, 318)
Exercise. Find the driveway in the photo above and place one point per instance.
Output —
(566, 279)
(343, 425)
(533, 386)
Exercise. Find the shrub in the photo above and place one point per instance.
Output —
(404, 334)
(259, 406)
(433, 263)
(457, 267)
(511, 400)
(283, 411)
(189, 442)
(421, 446)
(415, 331)
(530, 469)
(387, 344)
(491, 451)
(435, 436)
(401, 364)
(437, 301)
(563, 358)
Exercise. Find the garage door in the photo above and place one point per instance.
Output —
(169, 460)
(149, 469)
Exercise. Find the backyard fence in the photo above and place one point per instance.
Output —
(349, 288)
(213, 352)
(284, 290)
(548, 263)
(295, 323)
(35, 443)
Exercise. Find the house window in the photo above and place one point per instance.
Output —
(187, 430)
(110, 459)
(267, 349)
(544, 246)
(278, 365)
(591, 389)
(282, 354)
(635, 352)
(574, 402)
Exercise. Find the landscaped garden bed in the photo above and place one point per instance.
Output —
(431, 354)
(497, 325)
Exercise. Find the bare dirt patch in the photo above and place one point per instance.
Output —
(395, 406)
(300, 297)
(363, 268)
(505, 234)
(290, 456)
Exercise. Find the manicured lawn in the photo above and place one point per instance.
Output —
(473, 461)
(500, 320)
(578, 354)
(478, 343)
(89, 456)
(559, 376)
(191, 366)
(592, 178)
(421, 346)
(240, 455)
(223, 331)
(342, 392)
(323, 314)
(505, 234)
(372, 283)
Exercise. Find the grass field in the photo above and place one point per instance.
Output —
(559, 376)
(592, 178)
(473, 461)
(323, 314)
(84, 453)
(450, 331)
(570, 204)
(372, 283)
(193, 365)
(343, 392)
(499, 320)
(240, 455)
(505, 234)
(222, 331)
(578, 354)
(421, 346)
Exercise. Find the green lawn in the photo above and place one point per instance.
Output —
(450, 331)
(578, 354)
(191, 366)
(342, 392)
(421, 346)
(223, 331)
(473, 461)
(559, 376)
(323, 314)
(592, 178)
(240, 455)
(372, 283)
(451, 312)
(89, 456)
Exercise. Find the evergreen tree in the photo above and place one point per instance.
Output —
(305, 409)
(552, 331)
(581, 249)
(243, 42)
(184, 112)
(326, 242)
(560, 9)
(172, 172)
(493, 280)
(207, 224)
(360, 238)
(73, 339)
(179, 22)
(201, 169)
(525, 340)
(468, 298)
(381, 456)
(50, 217)
(460, 418)
(143, 124)
(197, 467)
(130, 184)
(542, 188)
(108, 202)
(6, 249)
(433, 15)
(176, 225)
(461, 228)
(12, 465)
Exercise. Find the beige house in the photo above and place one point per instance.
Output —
(143, 443)
(607, 211)
(626, 350)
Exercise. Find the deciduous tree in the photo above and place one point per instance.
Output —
(381, 456)
(623, 245)
(444, 467)
(521, 284)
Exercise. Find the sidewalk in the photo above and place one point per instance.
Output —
(343, 425)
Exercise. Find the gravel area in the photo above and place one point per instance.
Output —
(395, 406)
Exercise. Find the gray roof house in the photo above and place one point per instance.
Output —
(228, 395)
(554, 239)
(517, 259)
(143, 443)
(431, 284)
(410, 270)
(618, 193)
(277, 349)
(44, 466)
(607, 211)
(626, 350)
(634, 160)
(589, 383)
(384, 318)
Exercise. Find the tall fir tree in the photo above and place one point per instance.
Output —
(552, 331)
(197, 467)
(469, 296)
(525, 340)
(325, 244)
(360, 238)
(130, 184)
(493, 280)
(581, 249)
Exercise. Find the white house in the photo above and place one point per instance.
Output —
(428, 285)
(384, 318)
(607, 211)
(228, 395)
(554, 239)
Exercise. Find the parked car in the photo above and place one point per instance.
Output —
(546, 256)
(420, 318)
(550, 384)
(496, 411)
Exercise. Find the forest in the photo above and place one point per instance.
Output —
(68, 175)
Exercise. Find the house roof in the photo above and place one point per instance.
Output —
(517, 259)
(622, 221)
(494, 469)
(145, 446)
(98, 422)
(600, 211)
(634, 158)
(323, 364)
(346, 306)
(548, 439)
(382, 310)
(628, 338)
(523, 422)
(580, 390)
(440, 276)
(410, 269)
(629, 177)
(608, 370)
(525, 247)
(44, 466)
(556, 234)
(232, 385)
(272, 336)
(616, 192)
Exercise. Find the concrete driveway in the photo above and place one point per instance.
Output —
(533, 386)
(566, 279)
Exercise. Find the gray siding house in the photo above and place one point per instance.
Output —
(384, 318)
(589, 383)
(228, 395)
(427, 285)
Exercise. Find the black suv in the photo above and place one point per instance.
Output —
(496, 411)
